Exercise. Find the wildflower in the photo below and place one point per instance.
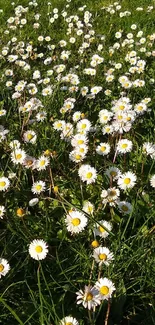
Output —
(20, 212)
(69, 320)
(152, 181)
(87, 174)
(127, 180)
(105, 288)
(33, 201)
(124, 207)
(2, 211)
(42, 163)
(89, 297)
(110, 195)
(113, 172)
(4, 267)
(100, 228)
(124, 146)
(83, 125)
(102, 255)
(103, 149)
(38, 187)
(88, 207)
(95, 243)
(30, 136)
(75, 221)
(18, 156)
(38, 249)
(4, 183)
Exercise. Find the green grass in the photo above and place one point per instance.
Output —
(44, 292)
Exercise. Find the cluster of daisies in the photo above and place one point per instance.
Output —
(33, 72)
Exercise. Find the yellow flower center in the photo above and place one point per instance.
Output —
(59, 125)
(38, 187)
(83, 126)
(124, 208)
(89, 175)
(104, 290)
(103, 148)
(101, 229)
(89, 296)
(2, 184)
(113, 174)
(29, 136)
(78, 157)
(29, 162)
(38, 249)
(124, 145)
(1, 267)
(119, 117)
(69, 323)
(20, 212)
(42, 163)
(95, 244)
(127, 181)
(102, 257)
(105, 118)
(140, 108)
(76, 222)
(121, 107)
(112, 193)
(18, 156)
(80, 141)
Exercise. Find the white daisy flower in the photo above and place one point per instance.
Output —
(113, 172)
(124, 207)
(88, 207)
(15, 144)
(110, 196)
(18, 156)
(127, 180)
(88, 298)
(79, 140)
(87, 174)
(152, 181)
(105, 288)
(76, 156)
(124, 146)
(4, 183)
(38, 187)
(83, 125)
(105, 116)
(33, 201)
(75, 221)
(42, 163)
(103, 149)
(2, 211)
(102, 255)
(69, 320)
(38, 249)
(30, 136)
(4, 267)
(58, 125)
(100, 228)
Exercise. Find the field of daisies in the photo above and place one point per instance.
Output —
(77, 164)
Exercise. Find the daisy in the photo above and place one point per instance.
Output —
(113, 172)
(100, 230)
(88, 207)
(69, 320)
(42, 163)
(88, 298)
(79, 140)
(127, 180)
(83, 125)
(33, 201)
(30, 136)
(110, 195)
(105, 116)
(38, 249)
(87, 174)
(103, 149)
(124, 146)
(102, 255)
(4, 267)
(105, 288)
(4, 183)
(75, 221)
(15, 144)
(18, 156)
(152, 181)
(2, 211)
(124, 207)
(38, 187)
(76, 156)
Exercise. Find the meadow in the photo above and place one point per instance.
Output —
(77, 172)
